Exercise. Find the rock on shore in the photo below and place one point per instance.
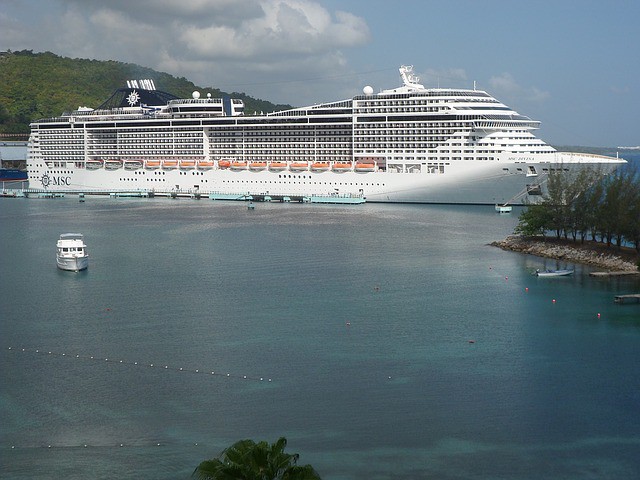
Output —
(575, 254)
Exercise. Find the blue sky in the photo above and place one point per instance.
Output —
(572, 64)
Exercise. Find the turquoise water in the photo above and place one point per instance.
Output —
(383, 341)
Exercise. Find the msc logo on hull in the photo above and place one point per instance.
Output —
(53, 181)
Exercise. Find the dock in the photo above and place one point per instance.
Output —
(621, 273)
(197, 194)
(630, 298)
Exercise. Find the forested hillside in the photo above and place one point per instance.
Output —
(37, 85)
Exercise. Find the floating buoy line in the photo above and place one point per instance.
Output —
(160, 366)
(135, 444)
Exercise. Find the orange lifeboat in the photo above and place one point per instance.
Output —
(205, 165)
(365, 167)
(238, 165)
(277, 166)
(341, 166)
(169, 164)
(257, 166)
(299, 166)
(224, 163)
(320, 166)
(187, 164)
(152, 164)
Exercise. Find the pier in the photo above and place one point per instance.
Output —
(331, 198)
(622, 273)
(630, 298)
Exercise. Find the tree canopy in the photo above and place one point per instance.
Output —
(605, 208)
(248, 460)
(40, 85)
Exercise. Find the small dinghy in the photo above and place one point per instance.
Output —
(553, 273)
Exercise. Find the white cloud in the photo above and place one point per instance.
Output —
(211, 42)
(506, 86)
(617, 90)
(286, 27)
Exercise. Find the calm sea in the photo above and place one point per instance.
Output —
(384, 341)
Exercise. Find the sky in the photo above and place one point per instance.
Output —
(572, 64)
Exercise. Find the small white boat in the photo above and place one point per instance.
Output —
(554, 273)
(72, 252)
(504, 208)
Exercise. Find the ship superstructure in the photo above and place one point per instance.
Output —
(408, 144)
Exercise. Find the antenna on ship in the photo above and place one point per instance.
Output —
(408, 77)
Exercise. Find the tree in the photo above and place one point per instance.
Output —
(536, 219)
(248, 460)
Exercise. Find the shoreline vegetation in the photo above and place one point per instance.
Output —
(588, 217)
(609, 258)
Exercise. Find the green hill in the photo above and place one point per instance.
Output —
(40, 85)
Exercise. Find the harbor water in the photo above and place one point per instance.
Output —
(383, 341)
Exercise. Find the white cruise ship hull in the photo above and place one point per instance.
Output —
(460, 183)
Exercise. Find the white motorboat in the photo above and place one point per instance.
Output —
(72, 252)
(554, 273)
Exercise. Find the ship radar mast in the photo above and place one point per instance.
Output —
(410, 80)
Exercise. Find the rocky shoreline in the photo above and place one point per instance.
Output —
(575, 253)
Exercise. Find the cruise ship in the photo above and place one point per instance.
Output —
(408, 144)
